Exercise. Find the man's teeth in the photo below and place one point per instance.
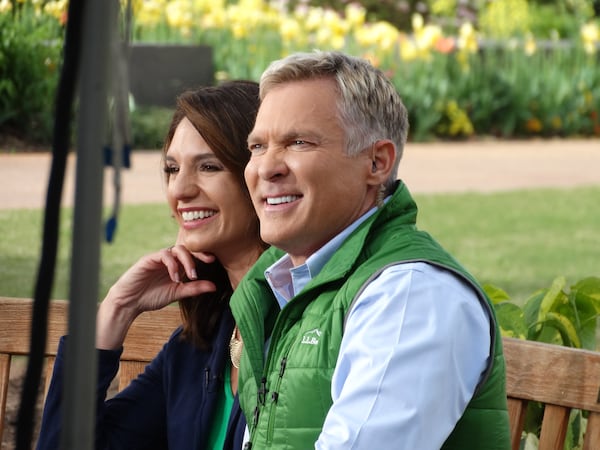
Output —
(195, 215)
(280, 200)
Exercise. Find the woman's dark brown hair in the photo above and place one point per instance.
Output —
(224, 116)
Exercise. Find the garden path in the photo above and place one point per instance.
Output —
(481, 166)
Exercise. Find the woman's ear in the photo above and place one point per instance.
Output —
(383, 156)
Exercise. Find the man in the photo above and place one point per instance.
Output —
(359, 330)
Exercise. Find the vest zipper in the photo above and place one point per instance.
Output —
(273, 398)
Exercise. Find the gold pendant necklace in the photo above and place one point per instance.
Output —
(235, 349)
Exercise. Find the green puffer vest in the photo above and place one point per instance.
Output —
(286, 398)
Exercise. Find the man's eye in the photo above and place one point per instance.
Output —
(300, 145)
(255, 148)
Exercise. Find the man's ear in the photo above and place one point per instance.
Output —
(383, 156)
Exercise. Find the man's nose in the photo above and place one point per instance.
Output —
(271, 164)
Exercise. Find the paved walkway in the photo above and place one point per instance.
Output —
(426, 167)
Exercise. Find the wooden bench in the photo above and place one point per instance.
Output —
(561, 378)
(146, 337)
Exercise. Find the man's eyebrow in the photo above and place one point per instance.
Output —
(286, 137)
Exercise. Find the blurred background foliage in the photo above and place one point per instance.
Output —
(465, 68)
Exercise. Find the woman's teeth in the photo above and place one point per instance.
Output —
(195, 215)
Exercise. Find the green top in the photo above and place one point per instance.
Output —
(218, 431)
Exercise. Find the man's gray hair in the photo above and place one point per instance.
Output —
(369, 107)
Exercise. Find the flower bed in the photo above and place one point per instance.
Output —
(455, 86)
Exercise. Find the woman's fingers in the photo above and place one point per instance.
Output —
(193, 288)
(170, 261)
(184, 260)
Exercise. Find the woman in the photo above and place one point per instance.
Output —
(186, 396)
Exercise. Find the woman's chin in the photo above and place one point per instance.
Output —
(196, 246)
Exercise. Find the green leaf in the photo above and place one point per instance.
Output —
(552, 297)
(565, 327)
(495, 294)
(531, 311)
(511, 320)
(588, 288)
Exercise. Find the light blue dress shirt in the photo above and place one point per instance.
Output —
(415, 346)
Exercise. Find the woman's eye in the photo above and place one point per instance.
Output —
(170, 169)
(209, 167)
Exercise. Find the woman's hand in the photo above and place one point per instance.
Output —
(153, 282)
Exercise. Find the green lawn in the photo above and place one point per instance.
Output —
(519, 241)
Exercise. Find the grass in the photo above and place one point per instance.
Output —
(141, 229)
(519, 240)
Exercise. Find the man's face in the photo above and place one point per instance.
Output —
(304, 187)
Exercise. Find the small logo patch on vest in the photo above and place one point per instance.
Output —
(311, 337)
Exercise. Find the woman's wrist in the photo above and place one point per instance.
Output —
(112, 323)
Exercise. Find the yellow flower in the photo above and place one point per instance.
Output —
(417, 22)
(314, 19)
(590, 35)
(207, 6)
(530, 46)
(333, 22)
(150, 12)
(214, 19)
(467, 38)
(289, 29)
(328, 37)
(179, 14)
(56, 9)
(355, 15)
(504, 18)
(380, 34)
(221, 75)
(5, 6)
(239, 31)
(460, 124)
(408, 50)
(533, 125)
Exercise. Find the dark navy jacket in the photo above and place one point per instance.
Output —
(169, 406)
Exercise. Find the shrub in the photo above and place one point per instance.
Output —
(555, 315)
(30, 51)
(149, 126)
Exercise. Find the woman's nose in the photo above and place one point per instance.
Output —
(183, 185)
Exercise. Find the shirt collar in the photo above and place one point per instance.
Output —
(286, 280)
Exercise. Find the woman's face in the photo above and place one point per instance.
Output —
(214, 214)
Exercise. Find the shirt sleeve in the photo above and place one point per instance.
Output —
(416, 344)
(134, 418)
(108, 365)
